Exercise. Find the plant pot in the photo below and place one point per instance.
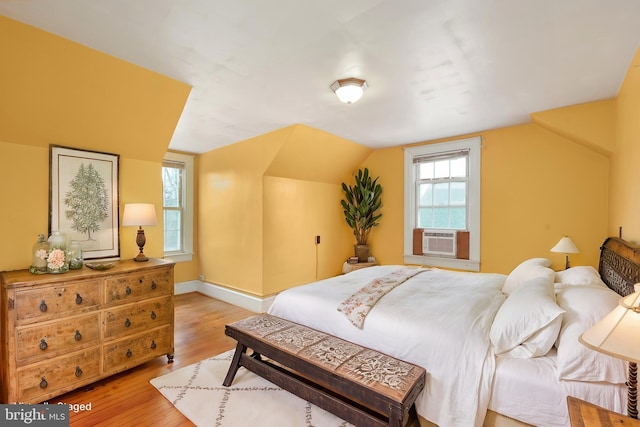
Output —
(362, 252)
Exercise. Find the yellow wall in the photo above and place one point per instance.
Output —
(536, 187)
(295, 212)
(56, 91)
(592, 124)
(624, 203)
(263, 201)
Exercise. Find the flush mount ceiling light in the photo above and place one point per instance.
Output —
(349, 90)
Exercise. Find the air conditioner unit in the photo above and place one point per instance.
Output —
(439, 242)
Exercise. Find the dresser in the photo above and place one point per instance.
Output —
(61, 331)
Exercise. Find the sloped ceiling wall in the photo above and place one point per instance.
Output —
(57, 91)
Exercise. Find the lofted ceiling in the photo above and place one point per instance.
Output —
(435, 68)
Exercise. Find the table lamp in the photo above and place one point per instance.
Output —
(139, 214)
(615, 335)
(565, 246)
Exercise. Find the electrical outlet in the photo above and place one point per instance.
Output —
(201, 277)
(317, 240)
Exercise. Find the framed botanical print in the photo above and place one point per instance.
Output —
(84, 199)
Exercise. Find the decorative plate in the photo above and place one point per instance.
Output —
(100, 265)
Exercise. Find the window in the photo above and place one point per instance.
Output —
(442, 192)
(177, 196)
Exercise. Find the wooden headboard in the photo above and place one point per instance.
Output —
(619, 265)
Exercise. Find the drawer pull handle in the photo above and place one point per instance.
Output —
(77, 336)
(153, 345)
(43, 306)
(153, 285)
(153, 315)
(128, 290)
(78, 372)
(129, 354)
(43, 383)
(43, 344)
(127, 323)
(78, 299)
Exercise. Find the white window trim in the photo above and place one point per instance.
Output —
(187, 253)
(474, 147)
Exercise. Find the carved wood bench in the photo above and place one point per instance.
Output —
(357, 384)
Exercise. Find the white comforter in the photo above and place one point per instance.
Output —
(438, 319)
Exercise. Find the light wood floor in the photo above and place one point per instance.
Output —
(127, 399)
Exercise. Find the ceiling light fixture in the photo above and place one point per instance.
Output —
(349, 90)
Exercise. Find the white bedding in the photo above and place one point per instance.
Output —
(522, 384)
(429, 320)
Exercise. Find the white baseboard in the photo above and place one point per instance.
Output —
(248, 302)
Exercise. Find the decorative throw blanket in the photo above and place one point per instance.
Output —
(357, 306)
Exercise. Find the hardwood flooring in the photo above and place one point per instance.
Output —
(127, 399)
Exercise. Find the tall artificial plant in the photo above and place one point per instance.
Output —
(361, 205)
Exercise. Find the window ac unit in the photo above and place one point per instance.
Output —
(439, 242)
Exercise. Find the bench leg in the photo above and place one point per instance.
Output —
(235, 364)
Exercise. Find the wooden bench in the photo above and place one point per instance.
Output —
(357, 384)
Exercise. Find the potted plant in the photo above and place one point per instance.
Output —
(361, 205)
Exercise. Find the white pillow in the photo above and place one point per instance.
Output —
(527, 322)
(539, 344)
(585, 306)
(528, 269)
(584, 275)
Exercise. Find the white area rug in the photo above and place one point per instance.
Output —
(197, 391)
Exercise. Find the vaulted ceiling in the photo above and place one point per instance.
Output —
(435, 68)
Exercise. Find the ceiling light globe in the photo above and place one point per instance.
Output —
(349, 90)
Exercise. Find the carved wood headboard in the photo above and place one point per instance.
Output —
(619, 265)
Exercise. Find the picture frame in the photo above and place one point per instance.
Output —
(84, 199)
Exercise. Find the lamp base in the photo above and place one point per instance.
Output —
(140, 241)
(141, 257)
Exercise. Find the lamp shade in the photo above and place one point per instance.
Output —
(565, 246)
(616, 333)
(138, 214)
(349, 90)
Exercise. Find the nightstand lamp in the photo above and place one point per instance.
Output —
(616, 335)
(139, 214)
(565, 246)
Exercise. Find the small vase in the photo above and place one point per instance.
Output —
(74, 255)
(57, 261)
(39, 253)
(362, 252)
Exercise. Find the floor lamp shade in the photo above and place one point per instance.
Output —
(137, 215)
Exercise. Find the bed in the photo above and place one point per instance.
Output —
(499, 349)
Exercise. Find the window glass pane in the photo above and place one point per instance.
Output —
(171, 186)
(441, 169)
(441, 194)
(425, 170)
(426, 195)
(459, 167)
(458, 193)
(172, 228)
(425, 218)
(458, 218)
(441, 218)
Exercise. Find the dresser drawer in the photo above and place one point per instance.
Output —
(129, 352)
(48, 301)
(47, 377)
(122, 289)
(137, 317)
(43, 341)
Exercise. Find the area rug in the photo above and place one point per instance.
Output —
(197, 391)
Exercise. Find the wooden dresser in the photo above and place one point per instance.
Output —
(61, 331)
